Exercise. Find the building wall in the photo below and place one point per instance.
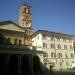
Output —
(21, 38)
(37, 42)
(61, 57)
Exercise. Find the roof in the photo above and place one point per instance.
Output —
(53, 34)
(25, 4)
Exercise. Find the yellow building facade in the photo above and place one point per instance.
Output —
(58, 48)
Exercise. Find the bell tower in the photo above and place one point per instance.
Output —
(25, 16)
(25, 21)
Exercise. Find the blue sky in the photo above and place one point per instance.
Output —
(52, 15)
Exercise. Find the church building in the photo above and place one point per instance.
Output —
(16, 51)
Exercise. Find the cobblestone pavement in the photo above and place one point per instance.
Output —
(56, 73)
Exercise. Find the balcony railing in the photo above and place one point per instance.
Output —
(13, 46)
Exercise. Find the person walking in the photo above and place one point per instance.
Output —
(51, 68)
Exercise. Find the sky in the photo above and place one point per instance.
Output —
(52, 15)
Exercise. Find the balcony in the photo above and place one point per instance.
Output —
(15, 46)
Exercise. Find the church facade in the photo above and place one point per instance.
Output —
(16, 51)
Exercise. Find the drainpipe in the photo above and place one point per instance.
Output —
(55, 51)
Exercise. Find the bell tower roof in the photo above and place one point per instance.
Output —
(26, 3)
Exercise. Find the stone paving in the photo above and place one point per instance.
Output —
(56, 73)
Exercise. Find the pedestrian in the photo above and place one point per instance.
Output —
(51, 68)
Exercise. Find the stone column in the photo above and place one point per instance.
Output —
(31, 63)
(19, 64)
(5, 62)
(8, 56)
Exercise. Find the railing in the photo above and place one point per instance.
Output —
(17, 46)
(13, 46)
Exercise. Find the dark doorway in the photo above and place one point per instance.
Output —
(2, 64)
(13, 64)
(25, 64)
(36, 64)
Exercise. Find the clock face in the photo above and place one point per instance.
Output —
(28, 24)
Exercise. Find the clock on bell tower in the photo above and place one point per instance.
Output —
(25, 16)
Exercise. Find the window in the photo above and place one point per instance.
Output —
(52, 46)
(59, 55)
(27, 10)
(27, 16)
(64, 40)
(70, 40)
(38, 37)
(45, 64)
(67, 63)
(72, 55)
(1, 40)
(45, 60)
(71, 47)
(58, 39)
(44, 37)
(8, 40)
(44, 45)
(15, 41)
(32, 41)
(60, 63)
(52, 38)
(65, 46)
(59, 46)
(45, 54)
(53, 55)
(66, 55)
(20, 42)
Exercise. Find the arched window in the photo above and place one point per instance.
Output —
(20, 42)
(13, 64)
(8, 40)
(1, 38)
(36, 64)
(15, 41)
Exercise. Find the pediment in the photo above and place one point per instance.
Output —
(11, 26)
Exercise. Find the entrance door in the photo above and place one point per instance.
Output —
(2, 64)
(13, 64)
(25, 64)
(36, 64)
